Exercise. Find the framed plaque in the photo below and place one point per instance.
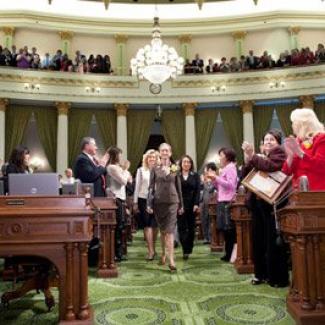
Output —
(267, 186)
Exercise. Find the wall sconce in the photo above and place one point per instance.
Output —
(31, 87)
(93, 90)
(277, 84)
(218, 88)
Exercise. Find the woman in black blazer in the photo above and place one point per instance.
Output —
(191, 197)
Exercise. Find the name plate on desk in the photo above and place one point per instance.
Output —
(15, 202)
(267, 186)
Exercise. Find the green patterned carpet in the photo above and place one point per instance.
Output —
(203, 291)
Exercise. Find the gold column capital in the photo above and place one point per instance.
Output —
(66, 35)
(189, 109)
(63, 107)
(239, 34)
(294, 30)
(307, 101)
(247, 106)
(121, 109)
(185, 38)
(121, 38)
(4, 102)
(8, 30)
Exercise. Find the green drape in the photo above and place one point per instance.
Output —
(16, 122)
(283, 112)
(79, 125)
(173, 129)
(262, 116)
(205, 121)
(320, 111)
(47, 125)
(139, 124)
(232, 119)
(106, 121)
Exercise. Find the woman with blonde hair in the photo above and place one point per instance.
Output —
(149, 161)
(306, 152)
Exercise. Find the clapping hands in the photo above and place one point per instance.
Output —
(248, 149)
(292, 147)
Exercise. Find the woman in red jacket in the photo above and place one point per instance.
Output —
(306, 152)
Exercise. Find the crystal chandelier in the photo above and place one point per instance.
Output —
(157, 62)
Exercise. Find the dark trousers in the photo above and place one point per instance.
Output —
(120, 224)
(230, 240)
(186, 230)
(270, 259)
(205, 221)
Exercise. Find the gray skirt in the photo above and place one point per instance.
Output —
(166, 216)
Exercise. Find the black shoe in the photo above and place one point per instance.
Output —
(256, 281)
(185, 257)
(206, 242)
(225, 258)
(175, 244)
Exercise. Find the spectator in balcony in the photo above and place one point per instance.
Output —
(56, 61)
(252, 61)
(97, 67)
(295, 57)
(46, 62)
(234, 65)
(2, 57)
(283, 61)
(242, 63)
(309, 55)
(33, 54)
(224, 66)
(320, 53)
(64, 62)
(23, 59)
(14, 56)
(188, 67)
(288, 57)
(91, 61)
(264, 60)
(211, 67)
(36, 62)
(107, 66)
(77, 58)
(197, 64)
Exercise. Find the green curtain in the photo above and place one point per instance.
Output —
(139, 124)
(283, 112)
(205, 121)
(262, 116)
(106, 121)
(16, 122)
(79, 125)
(320, 111)
(47, 125)
(173, 129)
(232, 119)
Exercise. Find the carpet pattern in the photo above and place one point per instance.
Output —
(204, 291)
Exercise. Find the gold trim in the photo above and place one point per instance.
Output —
(8, 30)
(307, 101)
(63, 107)
(121, 38)
(247, 106)
(294, 30)
(189, 109)
(121, 109)
(240, 34)
(186, 38)
(66, 35)
(4, 102)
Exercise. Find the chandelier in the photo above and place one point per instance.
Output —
(157, 62)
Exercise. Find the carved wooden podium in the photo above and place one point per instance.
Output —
(57, 230)
(105, 220)
(217, 241)
(243, 221)
(303, 223)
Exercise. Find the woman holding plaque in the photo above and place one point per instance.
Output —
(165, 201)
(306, 153)
(270, 260)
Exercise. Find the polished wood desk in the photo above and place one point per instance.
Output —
(243, 222)
(104, 228)
(56, 229)
(217, 241)
(303, 224)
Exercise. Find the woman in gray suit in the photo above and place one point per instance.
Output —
(165, 200)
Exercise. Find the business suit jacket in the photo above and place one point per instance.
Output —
(164, 188)
(88, 172)
(191, 190)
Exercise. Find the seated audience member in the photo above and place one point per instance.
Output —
(252, 60)
(91, 61)
(264, 60)
(295, 57)
(88, 169)
(197, 64)
(242, 63)
(224, 66)
(188, 67)
(306, 153)
(320, 53)
(234, 66)
(23, 59)
(83, 65)
(68, 179)
(107, 65)
(309, 56)
(212, 67)
(36, 62)
(283, 61)
(56, 61)
(46, 62)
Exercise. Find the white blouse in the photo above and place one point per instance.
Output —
(141, 184)
(117, 178)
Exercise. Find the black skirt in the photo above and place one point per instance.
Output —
(146, 220)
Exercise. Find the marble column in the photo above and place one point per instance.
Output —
(185, 46)
(3, 106)
(248, 122)
(62, 137)
(66, 41)
(122, 68)
(239, 38)
(121, 128)
(307, 101)
(293, 36)
(9, 33)
(190, 136)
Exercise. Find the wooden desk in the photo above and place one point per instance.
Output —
(243, 222)
(217, 241)
(57, 229)
(303, 224)
(106, 208)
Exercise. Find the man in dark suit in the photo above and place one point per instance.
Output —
(252, 61)
(88, 170)
(197, 64)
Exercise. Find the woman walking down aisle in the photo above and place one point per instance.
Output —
(150, 160)
(191, 197)
(165, 201)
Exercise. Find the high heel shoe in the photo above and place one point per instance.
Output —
(162, 260)
(151, 258)
(172, 268)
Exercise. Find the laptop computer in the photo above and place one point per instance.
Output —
(70, 188)
(34, 184)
